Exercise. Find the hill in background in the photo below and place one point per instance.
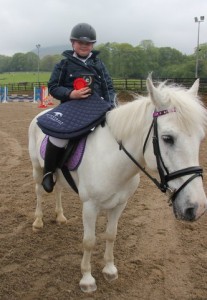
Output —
(43, 51)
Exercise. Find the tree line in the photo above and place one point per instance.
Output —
(123, 61)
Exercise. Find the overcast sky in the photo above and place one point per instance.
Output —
(168, 23)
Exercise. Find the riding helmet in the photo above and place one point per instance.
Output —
(83, 32)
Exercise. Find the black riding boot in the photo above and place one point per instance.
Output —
(51, 163)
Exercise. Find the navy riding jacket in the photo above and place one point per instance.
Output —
(67, 70)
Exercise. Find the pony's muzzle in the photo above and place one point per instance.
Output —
(191, 213)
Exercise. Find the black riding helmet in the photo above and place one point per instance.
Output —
(83, 32)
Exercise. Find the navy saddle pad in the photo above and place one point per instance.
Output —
(74, 118)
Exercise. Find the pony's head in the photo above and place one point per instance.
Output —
(181, 120)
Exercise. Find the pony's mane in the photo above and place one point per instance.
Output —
(128, 118)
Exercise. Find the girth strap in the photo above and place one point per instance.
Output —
(69, 178)
(70, 148)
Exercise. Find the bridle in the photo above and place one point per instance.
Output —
(164, 174)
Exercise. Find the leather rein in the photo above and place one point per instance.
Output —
(164, 174)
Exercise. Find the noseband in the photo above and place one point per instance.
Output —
(164, 174)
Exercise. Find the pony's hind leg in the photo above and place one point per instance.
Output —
(37, 175)
(38, 223)
(60, 218)
(110, 271)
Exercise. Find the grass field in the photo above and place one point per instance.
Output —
(8, 78)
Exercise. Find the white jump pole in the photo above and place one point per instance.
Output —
(5, 94)
(34, 98)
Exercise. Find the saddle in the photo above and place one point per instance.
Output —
(73, 120)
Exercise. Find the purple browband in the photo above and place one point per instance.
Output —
(163, 112)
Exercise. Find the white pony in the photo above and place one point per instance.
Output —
(107, 176)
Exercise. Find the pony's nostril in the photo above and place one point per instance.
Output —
(190, 214)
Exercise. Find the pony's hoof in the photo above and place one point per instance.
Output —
(61, 220)
(88, 285)
(110, 277)
(37, 226)
(110, 274)
(36, 229)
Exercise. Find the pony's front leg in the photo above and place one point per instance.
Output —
(110, 271)
(38, 223)
(60, 218)
(88, 283)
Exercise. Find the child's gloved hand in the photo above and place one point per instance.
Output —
(80, 94)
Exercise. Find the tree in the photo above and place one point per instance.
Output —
(5, 63)
(105, 53)
(202, 60)
(31, 60)
(151, 57)
(146, 44)
(18, 62)
(170, 56)
(48, 62)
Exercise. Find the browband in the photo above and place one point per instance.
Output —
(163, 112)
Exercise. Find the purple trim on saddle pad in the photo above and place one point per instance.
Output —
(74, 160)
(43, 147)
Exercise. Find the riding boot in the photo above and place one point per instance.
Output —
(51, 163)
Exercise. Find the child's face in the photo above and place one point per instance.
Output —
(82, 48)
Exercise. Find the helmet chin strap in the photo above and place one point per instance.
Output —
(82, 57)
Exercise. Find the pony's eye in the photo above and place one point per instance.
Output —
(168, 139)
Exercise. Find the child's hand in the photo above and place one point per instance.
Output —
(80, 94)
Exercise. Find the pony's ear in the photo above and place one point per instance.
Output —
(154, 93)
(194, 88)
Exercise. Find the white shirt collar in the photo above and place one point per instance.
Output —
(82, 59)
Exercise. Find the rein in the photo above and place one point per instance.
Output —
(164, 174)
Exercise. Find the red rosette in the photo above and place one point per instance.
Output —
(79, 83)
